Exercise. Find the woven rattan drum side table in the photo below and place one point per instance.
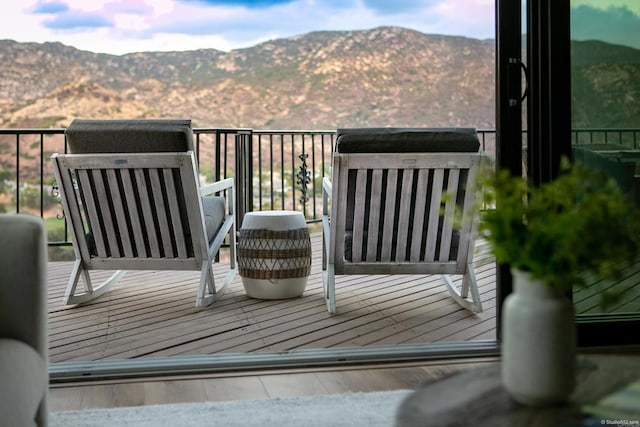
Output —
(274, 254)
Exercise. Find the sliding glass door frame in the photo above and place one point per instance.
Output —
(508, 114)
(549, 139)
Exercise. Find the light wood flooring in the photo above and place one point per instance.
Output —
(257, 385)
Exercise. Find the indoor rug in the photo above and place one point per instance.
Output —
(332, 410)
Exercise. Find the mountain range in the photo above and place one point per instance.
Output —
(387, 76)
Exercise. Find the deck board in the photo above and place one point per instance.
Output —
(153, 313)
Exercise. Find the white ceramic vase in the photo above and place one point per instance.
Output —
(538, 343)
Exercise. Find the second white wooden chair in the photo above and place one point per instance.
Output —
(392, 205)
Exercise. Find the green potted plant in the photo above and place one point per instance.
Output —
(556, 237)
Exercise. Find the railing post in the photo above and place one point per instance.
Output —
(244, 174)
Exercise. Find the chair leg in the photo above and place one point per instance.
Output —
(324, 253)
(90, 292)
(329, 286)
(472, 286)
(207, 287)
(207, 283)
(469, 285)
(328, 269)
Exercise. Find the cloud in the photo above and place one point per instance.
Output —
(73, 20)
(64, 17)
(134, 7)
(398, 6)
(245, 3)
(50, 7)
(617, 25)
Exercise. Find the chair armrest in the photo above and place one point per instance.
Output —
(326, 185)
(326, 193)
(216, 187)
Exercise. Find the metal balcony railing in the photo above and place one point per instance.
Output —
(274, 169)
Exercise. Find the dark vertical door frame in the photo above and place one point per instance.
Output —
(549, 100)
(508, 114)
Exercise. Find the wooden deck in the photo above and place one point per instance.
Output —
(152, 313)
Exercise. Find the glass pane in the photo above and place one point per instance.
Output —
(605, 71)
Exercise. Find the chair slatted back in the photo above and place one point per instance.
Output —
(400, 211)
(132, 208)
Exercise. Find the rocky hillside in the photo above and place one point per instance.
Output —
(387, 76)
(605, 85)
(322, 80)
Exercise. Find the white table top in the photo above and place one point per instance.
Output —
(277, 220)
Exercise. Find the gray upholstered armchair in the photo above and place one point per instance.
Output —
(24, 376)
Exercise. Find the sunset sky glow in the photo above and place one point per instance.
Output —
(123, 26)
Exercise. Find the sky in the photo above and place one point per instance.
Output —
(124, 26)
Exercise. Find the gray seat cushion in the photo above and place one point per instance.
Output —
(24, 382)
(129, 136)
(407, 140)
(214, 215)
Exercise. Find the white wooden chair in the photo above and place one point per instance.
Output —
(399, 204)
(130, 191)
